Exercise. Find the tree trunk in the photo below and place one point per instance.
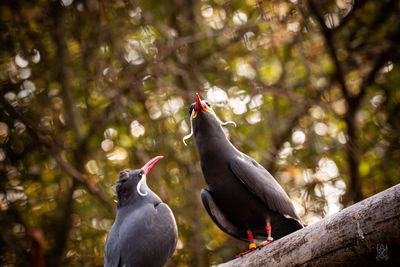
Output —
(364, 234)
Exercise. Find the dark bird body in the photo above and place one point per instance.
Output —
(242, 195)
(144, 232)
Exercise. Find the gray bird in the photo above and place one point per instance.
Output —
(243, 199)
(144, 232)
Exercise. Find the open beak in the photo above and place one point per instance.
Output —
(149, 165)
(199, 106)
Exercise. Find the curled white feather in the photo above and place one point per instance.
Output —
(143, 180)
(191, 129)
(221, 122)
(216, 117)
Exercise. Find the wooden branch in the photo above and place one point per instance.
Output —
(369, 79)
(63, 225)
(47, 142)
(364, 234)
(293, 122)
(354, 193)
(328, 36)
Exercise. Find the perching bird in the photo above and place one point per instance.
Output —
(144, 232)
(243, 199)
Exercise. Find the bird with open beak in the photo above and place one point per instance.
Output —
(243, 199)
(144, 232)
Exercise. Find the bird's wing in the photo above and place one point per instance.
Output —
(219, 217)
(112, 253)
(169, 233)
(261, 183)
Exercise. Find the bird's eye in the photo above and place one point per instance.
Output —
(140, 174)
(191, 108)
(208, 104)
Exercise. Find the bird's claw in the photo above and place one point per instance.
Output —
(266, 243)
(246, 252)
(254, 248)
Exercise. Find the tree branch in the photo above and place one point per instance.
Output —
(364, 233)
(378, 63)
(328, 35)
(352, 147)
(47, 142)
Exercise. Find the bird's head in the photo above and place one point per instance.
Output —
(203, 118)
(132, 183)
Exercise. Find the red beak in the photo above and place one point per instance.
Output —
(149, 165)
(199, 105)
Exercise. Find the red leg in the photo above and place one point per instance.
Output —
(252, 246)
(270, 239)
(251, 239)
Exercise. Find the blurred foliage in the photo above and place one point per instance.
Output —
(89, 88)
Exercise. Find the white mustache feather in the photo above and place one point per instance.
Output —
(191, 129)
(191, 124)
(143, 180)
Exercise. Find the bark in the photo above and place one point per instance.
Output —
(364, 234)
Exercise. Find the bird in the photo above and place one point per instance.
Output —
(144, 232)
(243, 198)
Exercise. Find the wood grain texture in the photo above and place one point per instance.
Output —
(351, 237)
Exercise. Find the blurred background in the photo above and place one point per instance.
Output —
(90, 88)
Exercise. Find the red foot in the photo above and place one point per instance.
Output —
(266, 243)
(246, 252)
(251, 250)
